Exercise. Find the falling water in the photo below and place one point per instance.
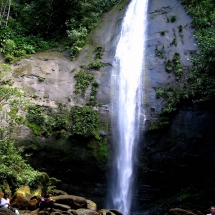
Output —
(127, 85)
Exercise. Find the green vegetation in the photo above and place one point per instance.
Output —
(173, 18)
(10, 97)
(15, 46)
(201, 78)
(100, 151)
(160, 92)
(45, 122)
(7, 93)
(93, 93)
(174, 41)
(169, 67)
(177, 65)
(85, 121)
(162, 33)
(98, 52)
(35, 95)
(13, 166)
(41, 79)
(180, 28)
(36, 118)
(83, 80)
(95, 65)
(160, 123)
(173, 97)
(174, 65)
(29, 26)
(159, 53)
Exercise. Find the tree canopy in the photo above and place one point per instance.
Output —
(27, 26)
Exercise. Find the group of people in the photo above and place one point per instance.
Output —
(44, 203)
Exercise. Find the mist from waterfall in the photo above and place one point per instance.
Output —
(127, 116)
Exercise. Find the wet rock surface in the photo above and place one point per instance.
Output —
(164, 40)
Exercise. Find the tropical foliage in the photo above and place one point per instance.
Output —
(28, 26)
(202, 76)
(13, 166)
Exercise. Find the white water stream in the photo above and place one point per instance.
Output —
(127, 73)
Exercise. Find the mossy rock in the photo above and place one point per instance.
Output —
(25, 191)
(54, 182)
(56, 192)
(44, 179)
(38, 192)
(5, 188)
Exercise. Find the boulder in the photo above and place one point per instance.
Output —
(54, 181)
(56, 192)
(115, 211)
(83, 211)
(74, 202)
(106, 212)
(28, 212)
(44, 213)
(19, 201)
(61, 207)
(73, 212)
(91, 205)
(33, 203)
(38, 192)
(179, 211)
(25, 191)
(5, 211)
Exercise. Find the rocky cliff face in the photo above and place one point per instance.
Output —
(166, 155)
(175, 161)
(169, 33)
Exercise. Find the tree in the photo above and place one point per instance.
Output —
(14, 169)
(4, 12)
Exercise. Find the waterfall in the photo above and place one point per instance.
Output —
(127, 116)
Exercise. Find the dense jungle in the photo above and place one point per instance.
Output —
(66, 143)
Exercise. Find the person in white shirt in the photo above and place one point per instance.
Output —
(5, 203)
